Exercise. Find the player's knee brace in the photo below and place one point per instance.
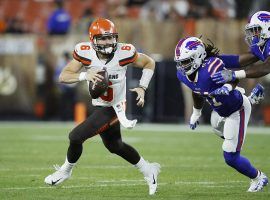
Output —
(231, 158)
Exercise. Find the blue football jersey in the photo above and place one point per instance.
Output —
(232, 61)
(266, 49)
(203, 84)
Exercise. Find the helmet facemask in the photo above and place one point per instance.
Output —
(189, 55)
(258, 29)
(187, 66)
(254, 35)
(107, 48)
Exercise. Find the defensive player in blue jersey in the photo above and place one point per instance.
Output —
(257, 37)
(195, 66)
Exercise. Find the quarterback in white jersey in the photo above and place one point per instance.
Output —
(104, 51)
(115, 66)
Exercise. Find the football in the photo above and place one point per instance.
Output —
(98, 88)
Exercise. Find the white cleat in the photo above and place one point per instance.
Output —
(57, 177)
(151, 177)
(258, 183)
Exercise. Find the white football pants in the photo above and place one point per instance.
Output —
(234, 128)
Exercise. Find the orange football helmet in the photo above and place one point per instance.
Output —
(101, 28)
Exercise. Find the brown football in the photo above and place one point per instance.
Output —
(98, 88)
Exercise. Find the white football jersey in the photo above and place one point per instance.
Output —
(116, 68)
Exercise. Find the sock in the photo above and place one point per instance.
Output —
(142, 165)
(258, 174)
(67, 166)
(241, 164)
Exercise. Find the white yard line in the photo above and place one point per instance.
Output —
(78, 186)
(128, 183)
(148, 127)
(207, 182)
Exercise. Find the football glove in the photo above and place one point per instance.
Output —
(224, 76)
(224, 90)
(194, 119)
(255, 49)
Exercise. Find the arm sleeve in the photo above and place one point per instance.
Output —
(230, 61)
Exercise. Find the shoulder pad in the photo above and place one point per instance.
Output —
(127, 53)
(82, 53)
(214, 65)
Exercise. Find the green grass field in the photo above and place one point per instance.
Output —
(192, 164)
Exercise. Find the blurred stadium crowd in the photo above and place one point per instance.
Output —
(32, 16)
(50, 23)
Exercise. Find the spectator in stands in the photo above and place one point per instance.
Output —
(16, 25)
(117, 8)
(223, 9)
(83, 23)
(156, 9)
(242, 8)
(199, 9)
(59, 21)
(3, 24)
(259, 5)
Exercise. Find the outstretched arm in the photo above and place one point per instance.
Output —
(257, 70)
(198, 101)
(148, 65)
(246, 59)
(238, 61)
(251, 71)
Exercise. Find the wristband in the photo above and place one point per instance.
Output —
(146, 77)
(229, 86)
(240, 74)
(82, 76)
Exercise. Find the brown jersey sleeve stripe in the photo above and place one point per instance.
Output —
(128, 60)
(81, 59)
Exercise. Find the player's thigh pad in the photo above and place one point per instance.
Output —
(235, 128)
(217, 123)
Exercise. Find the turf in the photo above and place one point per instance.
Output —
(192, 165)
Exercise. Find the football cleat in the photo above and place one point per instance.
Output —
(57, 177)
(257, 94)
(258, 183)
(151, 177)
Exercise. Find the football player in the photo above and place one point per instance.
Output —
(257, 33)
(195, 66)
(104, 51)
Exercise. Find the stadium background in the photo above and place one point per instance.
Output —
(31, 56)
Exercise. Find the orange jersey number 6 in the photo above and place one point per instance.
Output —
(85, 47)
(128, 48)
(108, 95)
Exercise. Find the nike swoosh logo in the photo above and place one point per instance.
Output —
(54, 182)
(154, 182)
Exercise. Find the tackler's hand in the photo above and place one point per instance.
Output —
(194, 119)
(140, 95)
(220, 91)
(224, 76)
